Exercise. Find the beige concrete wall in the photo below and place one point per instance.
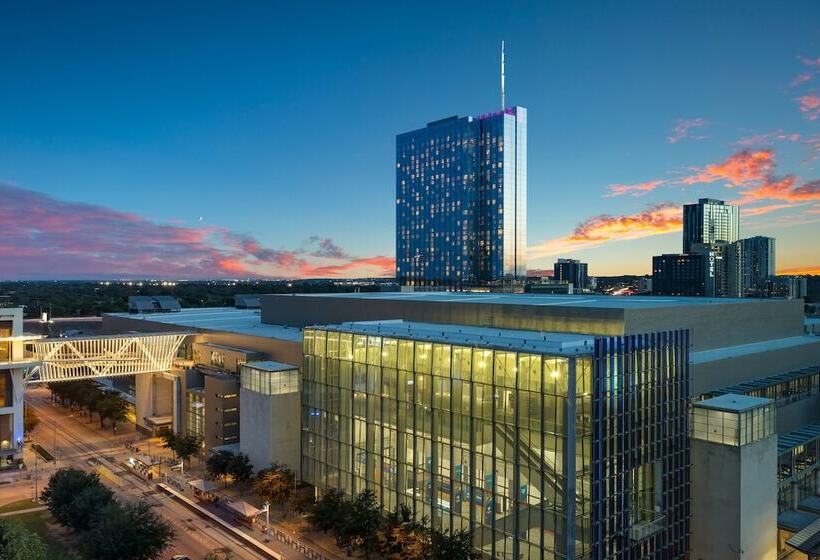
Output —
(717, 374)
(722, 324)
(301, 311)
(271, 429)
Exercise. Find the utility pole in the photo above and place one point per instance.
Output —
(36, 473)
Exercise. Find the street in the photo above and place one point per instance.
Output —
(83, 445)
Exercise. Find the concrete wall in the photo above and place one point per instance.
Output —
(723, 324)
(215, 416)
(17, 378)
(716, 374)
(734, 501)
(299, 311)
(271, 429)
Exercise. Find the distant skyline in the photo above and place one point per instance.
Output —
(230, 140)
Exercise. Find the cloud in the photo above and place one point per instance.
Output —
(739, 169)
(768, 138)
(761, 210)
(809, 106)
(684, 128)
(595, 231)
(638, 189)
(44, 237)
(812, 68)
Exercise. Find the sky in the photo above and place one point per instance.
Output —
(241, 139)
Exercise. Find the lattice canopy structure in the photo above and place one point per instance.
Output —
(66, 359)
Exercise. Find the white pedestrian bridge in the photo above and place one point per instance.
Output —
(91, 357)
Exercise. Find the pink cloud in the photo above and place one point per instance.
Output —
(741, 168)
(638, 189)
(684, 128)
(605, 228)
(809, 106)
(769, 138)
(44, 237)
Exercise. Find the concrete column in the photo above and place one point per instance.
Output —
(18, 381)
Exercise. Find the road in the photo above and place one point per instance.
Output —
(81, 445)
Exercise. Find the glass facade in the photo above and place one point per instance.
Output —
(267, 382)
(195, 413)
(461, 199)
(497, 441)
(710, 221)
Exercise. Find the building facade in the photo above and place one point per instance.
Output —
(461, 201)
(710, 221)
(679, 275)
(477, 428)
(571, 271)
(757, 264)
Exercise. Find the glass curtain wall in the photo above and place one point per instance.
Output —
(468, 437)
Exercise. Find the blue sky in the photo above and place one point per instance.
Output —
(275, 122)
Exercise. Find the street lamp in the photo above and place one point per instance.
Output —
(266, 509)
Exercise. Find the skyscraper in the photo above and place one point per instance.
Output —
(757, 264)
(709, 221)
(461, 201)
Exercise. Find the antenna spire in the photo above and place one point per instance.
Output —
(502, 76)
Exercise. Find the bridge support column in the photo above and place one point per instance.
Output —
(156, 402)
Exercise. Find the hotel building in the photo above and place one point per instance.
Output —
(461, 201)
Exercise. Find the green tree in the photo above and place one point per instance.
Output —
(30, 420)
(186, 446)
(218, 465)
(169, 439)
(112, 407)
(363, 524)
(326, 513)
(87, 505)
(18, 543)
(63, 487)
(127, 532)
(275, 485)
(453, 546)
(240, 468)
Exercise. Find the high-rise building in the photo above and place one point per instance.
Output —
(715, 269)
(757, 264)
(461, 201)
(571, 271)
(709, 221)
(679, 275)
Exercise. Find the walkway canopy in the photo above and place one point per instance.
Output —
(243, 509)
(202, 485)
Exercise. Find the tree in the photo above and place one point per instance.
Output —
(63, 487)
(186, 446)
(127, 532)
(30, 420)
(275, 485)
(218, 465)
(87, 505)
(453, 546)
(240, 468)
(18, 543)
(363, 524)
(113, 407)
(169, 439)
(325, 514)
(302, 502)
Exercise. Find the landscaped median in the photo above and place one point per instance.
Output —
(258, 546)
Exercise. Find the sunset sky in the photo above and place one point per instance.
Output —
(235, 139)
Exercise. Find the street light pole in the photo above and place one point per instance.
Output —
(54, 429)
(36, 473)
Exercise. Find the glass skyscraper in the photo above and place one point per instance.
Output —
(461, 201)
(710, 221)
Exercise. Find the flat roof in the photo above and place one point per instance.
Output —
(578, 300)
(733, 403)
(751, 348)
(270, 365)
(224, 319)
(564, 344)
(798, 437)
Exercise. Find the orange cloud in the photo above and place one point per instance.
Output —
(760, 210)
(739, 169)
(784, 188)
(809, 106)
(683, 129)
(638, 189)
(662, 218)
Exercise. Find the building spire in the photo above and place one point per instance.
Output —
(502, 76)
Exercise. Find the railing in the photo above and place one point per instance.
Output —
(654, 523)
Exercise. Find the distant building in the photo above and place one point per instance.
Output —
(461, 201)
(153, 304)
(709, 221)
(679, 275)
(757, 264)
(550, 288)
(571, 271)
(247, 301)
(715, 269)
(793, 287)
